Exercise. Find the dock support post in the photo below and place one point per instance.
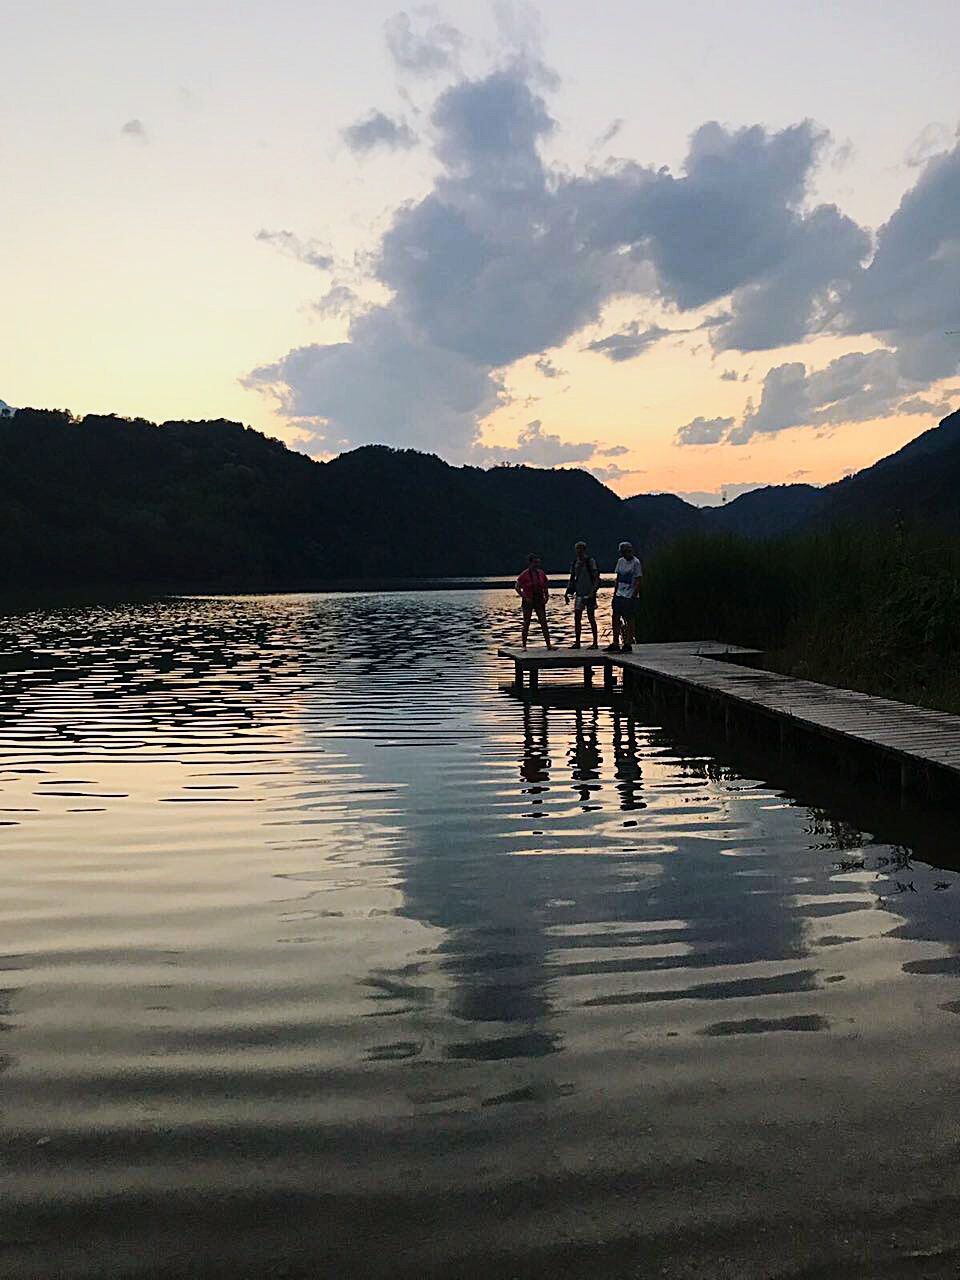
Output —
(534, 679)
(608, 677)
(517, 677)
(588, 677)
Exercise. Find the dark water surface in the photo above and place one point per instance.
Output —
(324, 956)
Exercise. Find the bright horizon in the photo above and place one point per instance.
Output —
(482, 233)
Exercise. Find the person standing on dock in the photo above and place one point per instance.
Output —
(584, 580)
(533, 590)
(629, 573)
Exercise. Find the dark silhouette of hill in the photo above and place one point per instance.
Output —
(108, 500)
(919, 485)
(112, 501)
(662, 517)
(770, 512)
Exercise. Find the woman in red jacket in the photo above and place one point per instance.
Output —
(533, 590)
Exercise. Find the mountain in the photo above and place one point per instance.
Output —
(662, 517)
(107, 500)
(770, 512)
(919, 484)
(762, 513)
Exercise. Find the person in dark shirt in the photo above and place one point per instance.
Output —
(533, 590)
(582, 588)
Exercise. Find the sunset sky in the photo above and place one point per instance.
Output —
(689, 246)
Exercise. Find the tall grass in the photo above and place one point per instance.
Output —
(875, 610)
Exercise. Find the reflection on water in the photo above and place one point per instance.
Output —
(322, 956)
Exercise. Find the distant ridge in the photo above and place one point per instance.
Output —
(107, 500)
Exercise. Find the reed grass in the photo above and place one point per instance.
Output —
(867, 609)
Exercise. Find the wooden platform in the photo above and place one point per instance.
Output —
(914, 736)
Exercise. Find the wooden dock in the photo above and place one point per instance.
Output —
(923, 745)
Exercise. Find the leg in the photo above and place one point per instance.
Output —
(615, 624)
(628, 626)
(592, 619)
(577, 622)
(542, 619)
(525, 628)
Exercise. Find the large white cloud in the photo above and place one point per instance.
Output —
(908, 297)
(506, 257)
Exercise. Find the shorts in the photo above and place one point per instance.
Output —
(531, 607)
(585, 602)
(624, 607)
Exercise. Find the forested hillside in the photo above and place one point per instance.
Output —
(113, 501)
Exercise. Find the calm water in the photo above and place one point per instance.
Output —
(324, 956)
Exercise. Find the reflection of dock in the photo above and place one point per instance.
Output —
(711, 678)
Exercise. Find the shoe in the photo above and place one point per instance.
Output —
(575, 645)
(627, 648)
(613, 648)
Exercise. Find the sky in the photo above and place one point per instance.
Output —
(690, 247)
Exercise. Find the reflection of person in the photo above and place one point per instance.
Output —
(584, 580)
(629, 573)
(585, 758)
(533, 590)
(535, 769)
(626, 762)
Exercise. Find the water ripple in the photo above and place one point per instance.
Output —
(356, 964)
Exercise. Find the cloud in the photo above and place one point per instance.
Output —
(803, 292)
(731, 375)
(536, 447)
(378, 130)
(852, 388)
(291, 245)
(630, 342)
(388, 384)
(134, 129)
(611, 131)
(611, 473)
(505, 258)
(928, 408)
(423, 45)
(704, 430)
(613, 451)
(933, 139)
(339, 301)
(548, 368)
(906, 296)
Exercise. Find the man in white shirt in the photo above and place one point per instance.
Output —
(625, 593)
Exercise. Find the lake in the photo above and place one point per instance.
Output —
(324, 955)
